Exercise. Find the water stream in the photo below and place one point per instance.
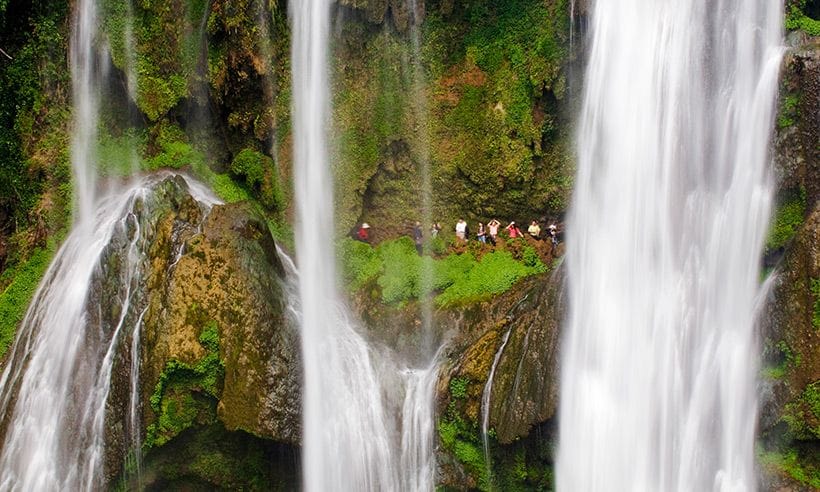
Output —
(355, 435)
(668, 219)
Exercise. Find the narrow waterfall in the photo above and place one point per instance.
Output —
(353, 393)
(666, 228)
(85, 84)
(345, 444)
(486, 399)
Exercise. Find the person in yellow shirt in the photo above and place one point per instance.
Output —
(535, 230)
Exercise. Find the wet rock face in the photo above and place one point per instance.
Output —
(224, 273)
(216, 350)
(376, 11)
(797, 153)
(792, 338)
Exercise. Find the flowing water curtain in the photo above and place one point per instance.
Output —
(670, 210)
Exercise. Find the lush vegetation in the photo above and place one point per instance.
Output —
(22, 281)
(797, 18)
(401, 274)
(791, 463)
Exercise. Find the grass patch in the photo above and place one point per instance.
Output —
(457, 278)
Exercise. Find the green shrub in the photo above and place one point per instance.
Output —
(789, 463)
(815, 291)
(359, 262)
(797, 19)
(257, 170)
(401, 276)
(494, 274)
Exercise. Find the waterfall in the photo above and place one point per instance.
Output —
(486, 399)
(670, 210)
(351, 391)
(54, 390)
(345, 443)
(85, 84)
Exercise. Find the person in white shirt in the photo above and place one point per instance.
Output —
(461, 229)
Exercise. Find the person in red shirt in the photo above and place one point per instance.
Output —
(363, 234)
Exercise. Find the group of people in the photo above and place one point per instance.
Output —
(489, 233)
(486, 233)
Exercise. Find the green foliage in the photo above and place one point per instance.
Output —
(796, 18)
(803, 414)
(257, 170)
(174, 150)
(458, 387)
(29, 84)
(788, 111)
(494, 274)
(460, 279)
(186, 394)
(22, 281)
(788, 218)
(815, 292)
(790, 463)
(359, 261)
(401, 275)
(463, 442)
(121, 155)
(227, 189)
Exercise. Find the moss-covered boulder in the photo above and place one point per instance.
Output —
(221, 279)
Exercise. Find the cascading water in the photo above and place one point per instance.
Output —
(345, 431)
(349, 412)
(670, 210)
(54, 390)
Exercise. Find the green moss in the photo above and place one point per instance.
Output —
(494, 274)
(259, 175)
(803, 414)
(22, 282)
(790, 463)
(186, 394)
(788, 111)
(787, 220)
(121, 155)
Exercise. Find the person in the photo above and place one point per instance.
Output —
(461, 229)
(363, 233)
(553, 232)
(492, 227)
(534, 229)
(481, 235)
(513, 230)
(434, 229)
(418, 238)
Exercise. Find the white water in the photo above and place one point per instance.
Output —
(85, 84)
(54, 390)
(486, 399)
(350, 414)
(669, 214)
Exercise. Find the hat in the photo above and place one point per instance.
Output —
(365, 225)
